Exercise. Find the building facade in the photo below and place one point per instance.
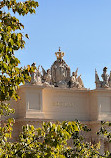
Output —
(55, 94)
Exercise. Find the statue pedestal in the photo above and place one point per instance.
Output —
(54, 103)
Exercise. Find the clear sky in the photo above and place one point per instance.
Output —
(82, 28)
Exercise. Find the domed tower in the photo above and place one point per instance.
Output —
(60, 71)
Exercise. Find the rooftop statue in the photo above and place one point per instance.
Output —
(60, 71)
(74, 81)
(81, 85)
(46, 77)
(106, 79)
(35, 76)
(97, 80)
(58, 75)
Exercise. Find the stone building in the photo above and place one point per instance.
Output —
(55, 94)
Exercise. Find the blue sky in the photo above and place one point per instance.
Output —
(82, 28)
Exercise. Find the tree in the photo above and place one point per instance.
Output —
(50, 141)
(11, 40)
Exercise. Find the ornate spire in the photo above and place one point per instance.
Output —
(59, 54)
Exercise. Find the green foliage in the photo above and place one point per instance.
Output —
(11, 40)
(11, 76)
(5, 132)
(50, 141)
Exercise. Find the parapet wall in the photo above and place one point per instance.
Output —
(55, 103)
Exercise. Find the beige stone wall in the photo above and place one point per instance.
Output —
(65, 104)
(38, 104)
(62, 103)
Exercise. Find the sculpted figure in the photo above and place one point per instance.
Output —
(44, 74)
(105, 78)
(74, 82)
(97, 81)
(38, 76)
(34, 74)
(73, 78)
(81, 85)
(106, 83)
(48, 76)
(96, 77)
(57, 76)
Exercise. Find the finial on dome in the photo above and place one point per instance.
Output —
(59, 49)
(59, 54)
